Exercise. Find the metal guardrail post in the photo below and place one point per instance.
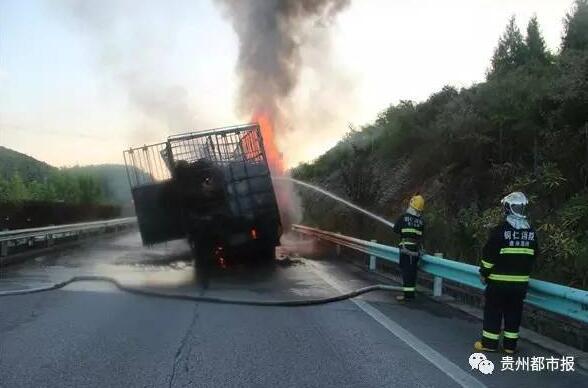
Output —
(3, 248)
(373, 260)
(438, 281)
(49, 240)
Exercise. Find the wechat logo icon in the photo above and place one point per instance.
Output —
(480, 362)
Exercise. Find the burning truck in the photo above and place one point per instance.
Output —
(212, 187)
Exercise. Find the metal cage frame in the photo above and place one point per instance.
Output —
(153, 163)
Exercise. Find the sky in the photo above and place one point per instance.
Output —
(82, 80)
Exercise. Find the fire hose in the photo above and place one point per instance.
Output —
(204, 299)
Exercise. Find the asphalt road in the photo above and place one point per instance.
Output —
(91, 335)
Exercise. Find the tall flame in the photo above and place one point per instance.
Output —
(272, 153)
(287, 201)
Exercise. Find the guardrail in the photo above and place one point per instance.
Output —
(567, 301)
(12, 239)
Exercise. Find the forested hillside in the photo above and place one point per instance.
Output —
(12, 162)
(23, 178)
(524, 128)
(33, 193)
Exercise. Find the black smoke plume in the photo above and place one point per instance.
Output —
(270, 34)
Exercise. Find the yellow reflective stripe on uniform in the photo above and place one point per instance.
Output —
(517, 251)
(509, 278)
(486, 264)
(408, 288)
(407, 243)
(490, 335)
(411, 230)
(511, 334)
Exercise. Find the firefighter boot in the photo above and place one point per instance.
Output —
(478, 346)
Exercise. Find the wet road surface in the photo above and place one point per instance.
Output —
(90, 334)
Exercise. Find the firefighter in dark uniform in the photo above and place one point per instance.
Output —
(506, 264)
(410, 227)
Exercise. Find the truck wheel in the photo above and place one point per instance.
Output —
(266, 254)
(203, 261)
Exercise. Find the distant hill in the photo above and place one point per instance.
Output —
(27, 167)
(112, 177)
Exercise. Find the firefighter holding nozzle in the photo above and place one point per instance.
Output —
(410, 227)
(506, 264)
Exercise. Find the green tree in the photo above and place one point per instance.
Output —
(576, 27)
(89, 189)
(42, 191)
(510, 52)
(49, 193)
(3, 190)
(36, 191)
(17, 190)
(536, 51)
(66, 187)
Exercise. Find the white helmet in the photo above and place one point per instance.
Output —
(515, 204)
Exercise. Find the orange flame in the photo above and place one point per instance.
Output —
(284, 192)
(272, 153)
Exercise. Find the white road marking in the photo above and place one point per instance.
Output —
(442, 363)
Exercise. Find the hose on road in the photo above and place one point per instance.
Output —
(204, 299)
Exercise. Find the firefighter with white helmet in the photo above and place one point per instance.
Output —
(505, 267)
(410, 227)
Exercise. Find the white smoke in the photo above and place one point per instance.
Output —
(133, 56)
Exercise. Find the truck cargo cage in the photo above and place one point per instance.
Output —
(236, 154)
(154, 163)
(233, 144)
(148, 164)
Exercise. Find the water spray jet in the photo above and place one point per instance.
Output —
(335, 197)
